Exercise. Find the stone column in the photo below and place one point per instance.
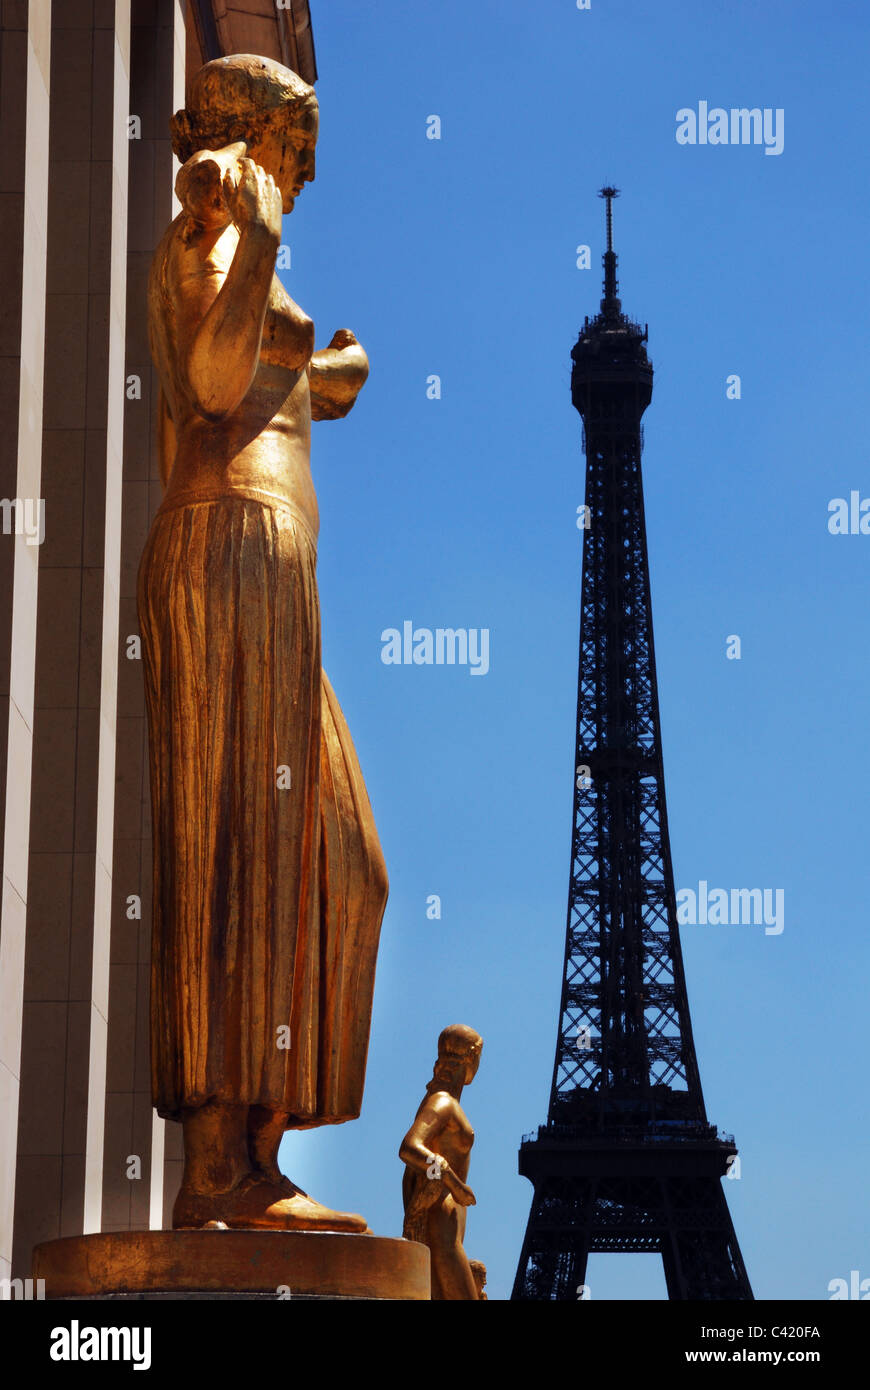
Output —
(135, 1138)
(25, 49)
(58, 1186)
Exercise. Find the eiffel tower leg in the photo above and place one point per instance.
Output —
(701, 1256)
(555, 1251)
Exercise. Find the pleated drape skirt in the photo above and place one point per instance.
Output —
(268, 883)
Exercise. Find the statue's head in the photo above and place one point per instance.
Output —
(270, 108)
(459, 1051)
(478, 1274)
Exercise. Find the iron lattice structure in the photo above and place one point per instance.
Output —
(627, 1161)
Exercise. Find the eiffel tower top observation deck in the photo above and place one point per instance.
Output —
(610, 349)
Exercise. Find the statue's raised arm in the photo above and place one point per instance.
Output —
(221, 316)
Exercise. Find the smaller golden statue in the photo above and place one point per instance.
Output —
(478, 1270)
(436, 1153)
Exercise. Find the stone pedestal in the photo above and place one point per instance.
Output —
(232, 1264)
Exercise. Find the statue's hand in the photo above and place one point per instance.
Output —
(204, 182)
(254, 198)
(337, 375)
(459, 1191)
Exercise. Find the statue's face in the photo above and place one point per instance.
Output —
(287, 153)
(472, 1062)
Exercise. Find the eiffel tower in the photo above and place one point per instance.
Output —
(627, 1160)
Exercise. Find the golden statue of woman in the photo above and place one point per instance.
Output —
(436, 1152)
(269, 883)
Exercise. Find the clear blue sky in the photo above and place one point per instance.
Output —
(457, 257)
